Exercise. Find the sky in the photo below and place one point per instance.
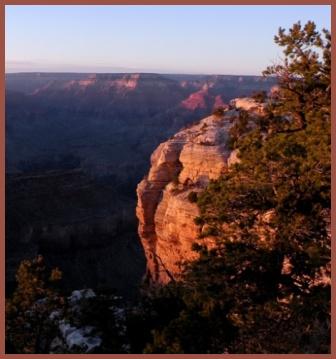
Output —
(190, 39)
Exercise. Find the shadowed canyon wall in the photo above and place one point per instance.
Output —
(77, 145)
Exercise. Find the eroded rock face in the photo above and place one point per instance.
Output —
(248, 104)
(166, 212)
(183, 164)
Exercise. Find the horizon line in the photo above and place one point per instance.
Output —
(123, 72)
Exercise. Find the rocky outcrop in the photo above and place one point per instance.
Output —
(166, 206)
(183, 164)
(75, 328)
(248, 104)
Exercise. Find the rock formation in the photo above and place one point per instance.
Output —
(183, 164)
(248, 104)
(180, 167)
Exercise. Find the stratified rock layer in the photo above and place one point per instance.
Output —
(185, 163)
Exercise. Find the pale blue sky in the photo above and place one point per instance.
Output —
(167, 39)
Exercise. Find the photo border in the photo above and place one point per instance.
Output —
(2, 178)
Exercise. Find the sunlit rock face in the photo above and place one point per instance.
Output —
(183, 164)
(248, 104)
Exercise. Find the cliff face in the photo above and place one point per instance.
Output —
(183, 164)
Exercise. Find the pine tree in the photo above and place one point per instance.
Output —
(28, 328)
(265, 286)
